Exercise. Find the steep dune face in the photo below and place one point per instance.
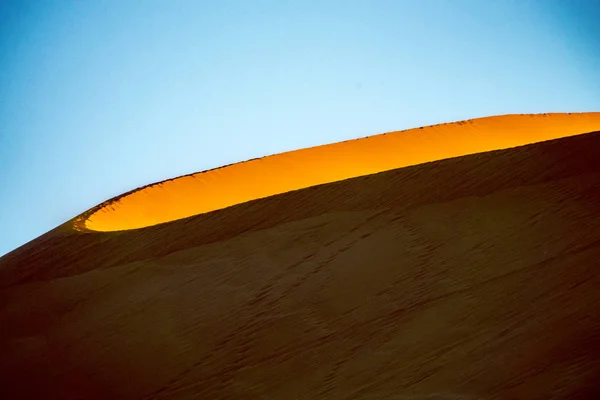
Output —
(216, 189)
(467, 278)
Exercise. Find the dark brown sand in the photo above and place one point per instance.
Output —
(470, 278)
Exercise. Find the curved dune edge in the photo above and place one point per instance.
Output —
(219, 188)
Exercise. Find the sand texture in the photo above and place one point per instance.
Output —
(475, 277)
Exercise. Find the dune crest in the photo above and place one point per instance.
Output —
(259, 178)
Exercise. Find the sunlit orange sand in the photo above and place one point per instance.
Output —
(219, 188)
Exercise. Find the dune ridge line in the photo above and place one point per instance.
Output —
(237, 183)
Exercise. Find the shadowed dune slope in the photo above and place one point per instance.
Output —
(237, 183)
(468, 278)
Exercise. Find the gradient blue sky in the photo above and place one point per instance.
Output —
(100, 97)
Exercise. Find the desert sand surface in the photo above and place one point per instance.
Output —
(263, 177)
(475, 277)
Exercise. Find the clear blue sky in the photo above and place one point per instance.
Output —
(100, 97)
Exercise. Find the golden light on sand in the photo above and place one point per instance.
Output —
(219, 188)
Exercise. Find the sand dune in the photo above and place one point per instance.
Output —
(219, 188)
(467, 278)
